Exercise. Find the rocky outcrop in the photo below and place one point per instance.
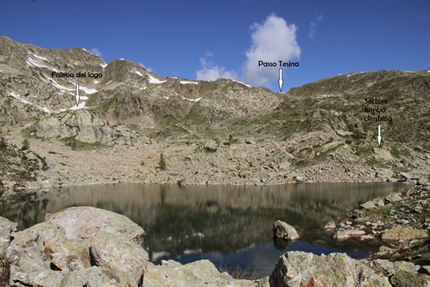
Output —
(18, 165)
(85, 127)
(313, 133)
(79, 246)
(299, 269)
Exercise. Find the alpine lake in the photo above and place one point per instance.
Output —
(229, 225)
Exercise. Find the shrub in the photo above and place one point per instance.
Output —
(162, 162)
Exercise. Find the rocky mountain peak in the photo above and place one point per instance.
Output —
(333, 120)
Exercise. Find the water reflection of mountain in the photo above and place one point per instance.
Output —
(204, 218)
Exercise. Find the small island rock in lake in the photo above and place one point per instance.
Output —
(283, 230)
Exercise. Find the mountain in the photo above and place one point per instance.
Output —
(127, 121)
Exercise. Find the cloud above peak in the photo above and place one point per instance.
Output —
(272, 41)
(211, 72)
(96, 52)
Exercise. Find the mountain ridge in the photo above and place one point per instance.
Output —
(220, 132)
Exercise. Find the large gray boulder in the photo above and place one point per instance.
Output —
(296, 269)
(84, 222)
(6, 227)
(79, 246)
(283, 230)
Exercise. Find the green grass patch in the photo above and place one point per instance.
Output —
(29, 132)
(74, 144)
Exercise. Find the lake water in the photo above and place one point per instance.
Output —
(230, 225)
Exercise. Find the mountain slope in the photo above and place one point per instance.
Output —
(209, 132)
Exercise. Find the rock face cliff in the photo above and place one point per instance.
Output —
(209, 132)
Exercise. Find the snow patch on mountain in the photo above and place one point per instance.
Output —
(18, 97)
(188, 82)
(78, 107)
(153, 80)
(39, 57)
(57, 85)
(249, 86)
(191, 100)
(87, 90)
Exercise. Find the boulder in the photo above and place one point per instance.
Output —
(368, 205)
(284, 231)
(330, 225)
(383, 154)
(84, 222)
(79, 246)
(298, 268)
(210, 145)
(378, 202)
(392, 198)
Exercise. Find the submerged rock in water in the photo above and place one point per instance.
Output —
(284, 230)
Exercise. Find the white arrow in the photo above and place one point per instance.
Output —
(280, 81)
(77, 95)
(379, 135)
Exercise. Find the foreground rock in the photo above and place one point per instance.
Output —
(297, 269)
(79, 246)
(6, 227)
(198, 273)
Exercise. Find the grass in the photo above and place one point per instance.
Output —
(78, 145)
(4, 271)
(241, 273)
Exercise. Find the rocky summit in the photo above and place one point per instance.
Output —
(67, 117)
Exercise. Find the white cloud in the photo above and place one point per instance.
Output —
(147, 68)
(211, 72)
(272, 41)
(96, 52)
(313, 29)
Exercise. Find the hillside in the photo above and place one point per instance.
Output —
(221, 132)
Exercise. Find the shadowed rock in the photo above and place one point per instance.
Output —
(284, 230)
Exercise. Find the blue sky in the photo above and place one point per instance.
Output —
(206, 39)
